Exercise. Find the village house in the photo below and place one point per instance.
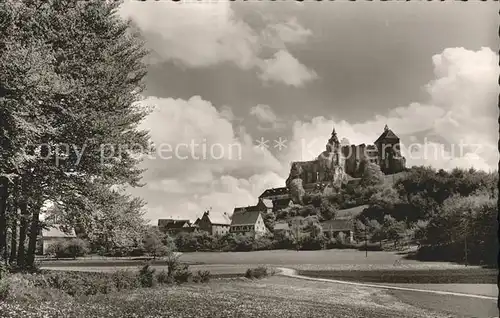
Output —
(279, 197)
(332, 228)
(53, 235)
(214, 223)
(173, 227)
(275, 194)
(281, 228)
(248, 220)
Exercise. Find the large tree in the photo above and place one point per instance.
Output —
(73, 74)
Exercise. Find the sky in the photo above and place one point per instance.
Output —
(239, 90)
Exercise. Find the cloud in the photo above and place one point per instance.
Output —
(460, 109)
(208, 33)
(284, 67)
(277, 35)
(264, 113)
(184, 181)
(456, 126)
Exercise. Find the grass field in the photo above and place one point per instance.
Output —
(410, 276)
(271, 297)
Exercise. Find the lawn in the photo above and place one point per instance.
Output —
(270, 297)
(410, 276)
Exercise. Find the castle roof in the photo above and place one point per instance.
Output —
(387, 135)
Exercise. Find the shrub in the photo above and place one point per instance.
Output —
(258, 272)
(4, 289)
(146, 276)
(76, 247)
(163, 278)
(124, 279)
(203, 276)
(57, 249)
(72, 248)
(182, 274)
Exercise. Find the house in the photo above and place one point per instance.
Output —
(280, 204)
(265, 205)
(53, 235)
(172, 227)
(281, 228)
(332, 228)
(350, 213)
(214, 223)
(248, 221)
(275, 194)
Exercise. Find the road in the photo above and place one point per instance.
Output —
(475, 303)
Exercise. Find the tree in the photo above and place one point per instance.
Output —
(371, 174)
(327, 210)
(393, 230)
(153, 244)
(269, 220)
(73, 86)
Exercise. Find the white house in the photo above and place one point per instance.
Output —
(54, 234)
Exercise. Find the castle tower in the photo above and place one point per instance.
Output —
(334, 150)
(389, 154)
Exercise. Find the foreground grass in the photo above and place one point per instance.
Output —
(270, 297)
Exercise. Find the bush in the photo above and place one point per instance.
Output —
(4, 289)
(146, 276)
(182, 274)
(72, 248)
(163, 278)
(374, 247)
(76, 247)
(202, 277)
(124, 279)
(57, 249)
(30, 288)
(259, 272)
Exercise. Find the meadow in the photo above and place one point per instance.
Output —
(240, 297)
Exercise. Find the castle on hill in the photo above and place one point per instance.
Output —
(336, 165)
(340, 163)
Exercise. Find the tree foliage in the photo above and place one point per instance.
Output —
(71, 74)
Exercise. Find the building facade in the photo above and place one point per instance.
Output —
(248, 222)
(214, 223)
(51, 236)
(173, 227)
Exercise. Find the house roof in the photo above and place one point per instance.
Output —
(351, 212)
(387, 135)
(282, 203)
(337, 225)
(281, 226)
(55, 231)
(218, 218)
(274, 191)
(267, 202)
(251, 208)
(173, 224)
(246, 217)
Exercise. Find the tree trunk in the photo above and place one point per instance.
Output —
(33, 236)
(13, 239)
(22, 234)
(4, 193)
